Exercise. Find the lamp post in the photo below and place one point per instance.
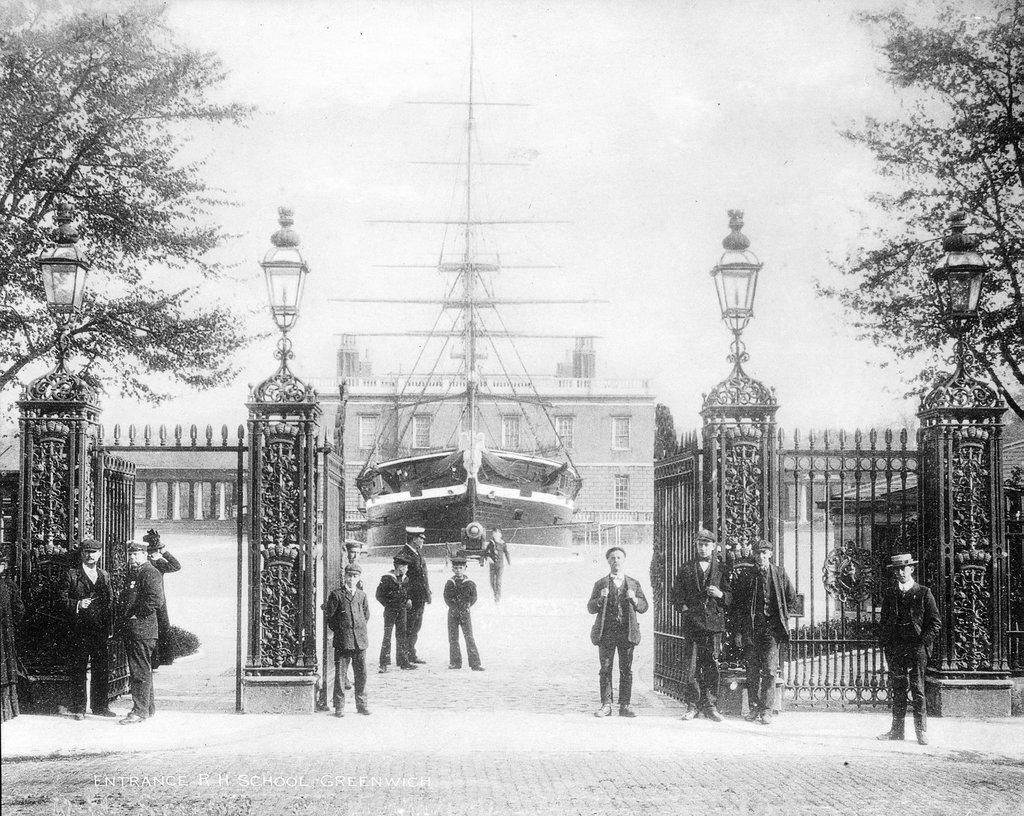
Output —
(64, 268)
(280, 666)
(958, 278)
(285, 270)
(963, 535)
(735, 277)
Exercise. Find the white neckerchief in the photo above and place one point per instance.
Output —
(92, 572)
(618, 580)
(908, 587)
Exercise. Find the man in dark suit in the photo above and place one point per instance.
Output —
(393, 595)
(762, 597)
(907, 630)
(86, 596)
(165, 563)
(419, 586)
(141, 601)
(347, 613)
(701, 592)
(616, 599)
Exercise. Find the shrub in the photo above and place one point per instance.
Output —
(182, 642)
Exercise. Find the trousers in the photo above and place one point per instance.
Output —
(907, 664)
(496, 573)
(88, 647)
(395, 620)
(762, 659)
(342, 660)
(460, 619)
(606, 653)
(702, 676)
(140, 674)
(415, 621)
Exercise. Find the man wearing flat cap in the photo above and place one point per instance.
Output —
(164, 563)
(347, 613)
(419, 586)
(701, 592)
(139, 605)
(88, 601)
(353, 552)
(762, 598)
(616, 599)
(393, 595)
(907, 630)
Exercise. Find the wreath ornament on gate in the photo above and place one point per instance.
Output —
(849, 573)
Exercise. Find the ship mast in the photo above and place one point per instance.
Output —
(468, 271)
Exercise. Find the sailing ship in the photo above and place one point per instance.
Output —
(460, 493)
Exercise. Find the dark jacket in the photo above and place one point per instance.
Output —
(495, 552)
(346, 616)
(780, 599)
(419, 583)
(599, 606)
(168, 563)
(701, 612)
(460, 595)
(77, 587)
(11, 613)
(924, 616)
(393, 592)
(142, 599)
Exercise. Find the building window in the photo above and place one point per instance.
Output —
(564, 426)
(421, 431)
(367, 430)
(620, 433)
(510, 432)
(621, 492)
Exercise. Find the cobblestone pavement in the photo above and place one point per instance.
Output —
(515, 739)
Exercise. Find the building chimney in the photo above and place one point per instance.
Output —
(348, 358)
(584, 359)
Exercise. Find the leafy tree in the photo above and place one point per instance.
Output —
(94, 111)
(666, 442)
(958, 144)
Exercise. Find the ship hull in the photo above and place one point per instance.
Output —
(530, 518)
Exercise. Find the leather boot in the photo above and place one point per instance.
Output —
(894, 733)
(921, 729)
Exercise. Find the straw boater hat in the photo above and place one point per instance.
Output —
(902, 560)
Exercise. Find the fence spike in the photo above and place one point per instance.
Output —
(796, 437)
(117, 434)
(209, 435)
(888, 438)
(99, 434)
(241, 434)
(162, 433)
(131, 435)
(858, 438)
(825, 439)
(177, 435)
(224, 435)
(146, 434)
(193, 434)
(811, 438)
(873, 438)
(903, 438)
(842, 438)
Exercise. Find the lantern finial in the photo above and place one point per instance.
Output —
(736, 240)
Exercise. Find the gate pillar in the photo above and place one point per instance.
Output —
(739, 442)
(281, 663)
(58, 414)
(964, 553)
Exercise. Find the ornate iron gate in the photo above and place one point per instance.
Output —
(115, 511)
(678, 505)
(843, 508)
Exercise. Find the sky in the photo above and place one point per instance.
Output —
(647, 121)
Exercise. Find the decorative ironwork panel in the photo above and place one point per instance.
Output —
(1014, 495)
(846, 502)
(283, 414)
(678, 488)
(964, 532)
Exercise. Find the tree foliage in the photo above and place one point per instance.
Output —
(95, 111)
(957, 144)
(666, 442)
